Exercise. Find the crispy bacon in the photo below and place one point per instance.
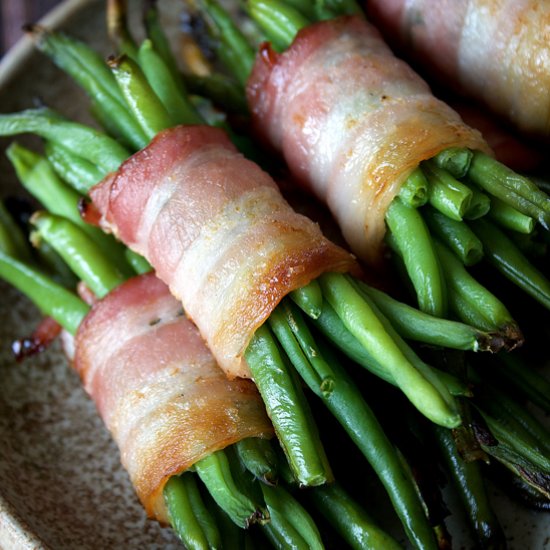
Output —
(217, 231)
(352, 122)
(497, 51)
(158, 388)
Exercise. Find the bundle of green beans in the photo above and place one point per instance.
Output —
(153, 106)
(344, 400)
(69, 145)
(453, 210)
(354, 347)
(515, 207)
(240, 478)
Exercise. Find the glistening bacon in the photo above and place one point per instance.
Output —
(217, 231)
(497, 51)
(158, 388)
(352, 122)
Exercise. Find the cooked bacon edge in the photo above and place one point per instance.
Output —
(217, 231)
(352, 122)
(158, 388)
(497, 51)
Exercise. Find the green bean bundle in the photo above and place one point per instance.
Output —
(420, 178)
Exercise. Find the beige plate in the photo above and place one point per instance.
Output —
(61, 484)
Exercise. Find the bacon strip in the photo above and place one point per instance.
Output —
(352, 122)
(497, 51)
(158, 388)
(217, 231)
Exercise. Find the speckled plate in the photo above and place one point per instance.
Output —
(61, 483)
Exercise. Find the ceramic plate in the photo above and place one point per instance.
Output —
(61, 483)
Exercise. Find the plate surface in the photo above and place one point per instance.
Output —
(61, 483)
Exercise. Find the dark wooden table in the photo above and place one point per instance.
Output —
(15, 13)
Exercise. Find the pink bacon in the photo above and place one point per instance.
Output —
(158, 388)
(217, 231)
(352, 122)
(497, 51)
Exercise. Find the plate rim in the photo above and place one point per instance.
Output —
(23, 49)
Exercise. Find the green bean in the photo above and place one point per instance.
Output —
(335, 8)
(259, 458)
(524, 378)
(528, 244)
(456, 235)
(109, 126)
(160, 78)
(480, 205)
(508, 259)
(202, 511)
(291, 522)
(314, 370)
(89, 70)
(234, 50)
(282, 535)
(279, 21)
(527, 479)
(511, 412)
(82, 140)
(50, 297)
(514, 445)
(349, 519)
(181, 497)
(221, 90)
(53, 264)
(413, 324)
(334, 329)
(414, 191)
(233, 537)
(522, 438)
(513, 189)
(310, 10)
(447, 384)
(347, 404)
(79, 173)
(455, 160)
(490, 312)
(445, 193)
(330, 324)
(117, 28)
(413, 240)
(215, 472)
(309, 298)
(76, 247)
(12, 240)
(422, 388)
(469, 483)
(147, 108)
(139, 264)
(288, 409)
(510, 218)
(161, 45)
(38, 177)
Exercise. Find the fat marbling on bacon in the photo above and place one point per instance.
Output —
(497, 51)
(158, 388)
(352, 122)
(217, 231)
